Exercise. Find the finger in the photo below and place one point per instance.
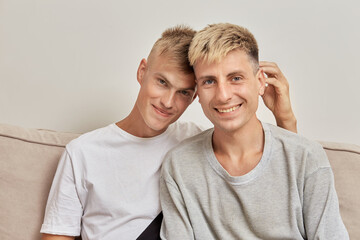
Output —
(269, 91)
(271, 67)
(267, 63)
(279, 77)
(271, 70)
(275, 73)
(280, 87)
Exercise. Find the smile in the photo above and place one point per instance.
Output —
(162, 112)
(226, 110)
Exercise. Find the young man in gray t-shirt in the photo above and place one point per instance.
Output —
(244, 179)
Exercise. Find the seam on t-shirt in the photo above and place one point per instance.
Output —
(48, 230)
(182, 199)
(133, 138)
(170, 183)
(316, 171)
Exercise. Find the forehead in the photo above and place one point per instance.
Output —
(163, 66)
(235, 60)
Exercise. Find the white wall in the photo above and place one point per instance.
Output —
(70, 65)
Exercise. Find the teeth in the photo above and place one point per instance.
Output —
(228, 110)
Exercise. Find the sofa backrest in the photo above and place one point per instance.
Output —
(28, 160)
(29, 157)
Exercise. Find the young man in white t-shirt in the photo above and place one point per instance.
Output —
(107, 182)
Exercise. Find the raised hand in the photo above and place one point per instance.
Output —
(276, 96)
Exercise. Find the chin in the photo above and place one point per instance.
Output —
(158, 127)
(229, 128)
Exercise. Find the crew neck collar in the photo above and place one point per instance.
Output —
(142, 139)
(237, 180)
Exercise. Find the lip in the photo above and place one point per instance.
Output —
(161, 111)
(228, 110)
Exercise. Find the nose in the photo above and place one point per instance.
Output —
(223, 92)
(167, 100)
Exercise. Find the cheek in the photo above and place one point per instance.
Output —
(248, 91)
(153, 91)
(256, 91)
(253, 97)
(204, 96)
(182, 104)
(201, 100)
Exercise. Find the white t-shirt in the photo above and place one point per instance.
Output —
(107, 183)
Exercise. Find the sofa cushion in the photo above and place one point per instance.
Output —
(29, 157)
(345, 162)
(28, 160)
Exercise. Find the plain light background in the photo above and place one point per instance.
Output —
(70, 65)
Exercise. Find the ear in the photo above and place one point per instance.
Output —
(141, 70)
(261, 79)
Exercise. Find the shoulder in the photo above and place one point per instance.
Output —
(187, 150)
(90, 138)
(292, 140)
(194, 142)
(183, 130)
(300, 148)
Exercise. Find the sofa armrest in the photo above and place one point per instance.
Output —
(345, 162)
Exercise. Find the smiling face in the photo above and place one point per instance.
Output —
(229, 90)
(165, 93)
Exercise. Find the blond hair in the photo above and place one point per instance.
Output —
(215, 41)
(174, 43)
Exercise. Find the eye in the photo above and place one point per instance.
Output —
(185, 93)
(236, 79)
(161, 81)
(208, 82)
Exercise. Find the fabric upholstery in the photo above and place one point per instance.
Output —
(29, 157)
(345, 162)
(28, 160)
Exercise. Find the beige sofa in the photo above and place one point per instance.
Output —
(28, 159)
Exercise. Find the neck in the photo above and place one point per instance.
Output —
(135, 125)
(239, 151)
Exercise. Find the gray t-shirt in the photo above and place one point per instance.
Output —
(290, 194)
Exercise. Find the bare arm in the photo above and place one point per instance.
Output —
(55, 237)
(277, 97)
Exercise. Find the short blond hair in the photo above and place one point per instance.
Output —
(174, 43)
(215, 41)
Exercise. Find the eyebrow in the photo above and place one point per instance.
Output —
(206, 77)
(169, 83)
(237, 72)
